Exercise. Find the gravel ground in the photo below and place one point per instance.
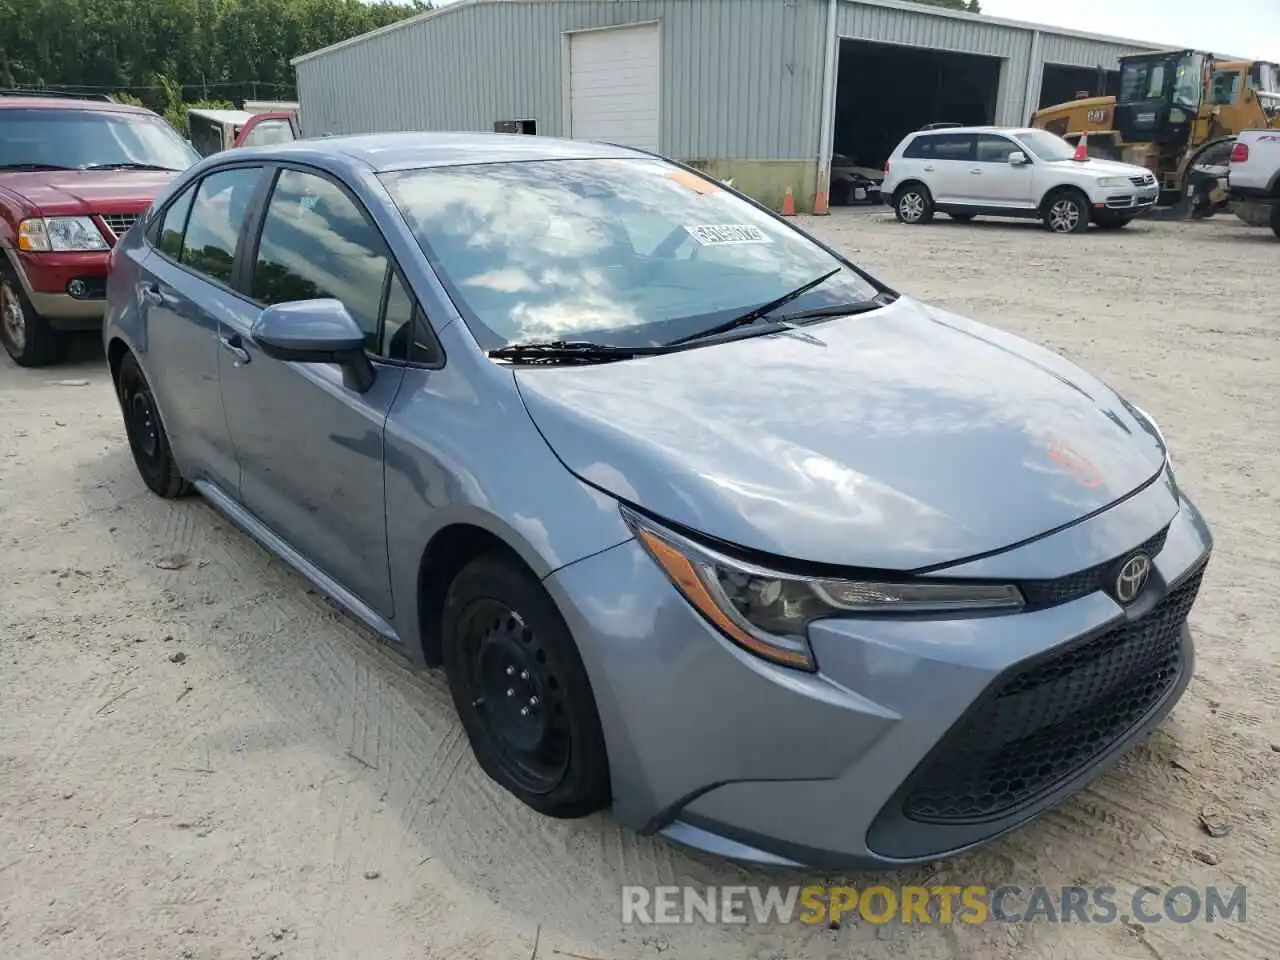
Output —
(199, 758)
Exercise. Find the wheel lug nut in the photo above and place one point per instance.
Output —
(524, 674)
(533, 701)
(524, 711)
(511, 691)
(511, 671)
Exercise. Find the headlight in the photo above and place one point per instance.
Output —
(768, 613)
(42, 234)
(1114, 182)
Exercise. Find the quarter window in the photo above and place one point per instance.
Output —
(217, 214)
(317, 243)
(1226, 87)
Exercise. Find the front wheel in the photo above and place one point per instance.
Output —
(1066, 211)
(27, 336)
(521, 690)
(912, 204)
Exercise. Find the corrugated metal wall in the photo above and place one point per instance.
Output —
(1080, 52)
(740, 78)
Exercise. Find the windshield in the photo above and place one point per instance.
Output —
(1188, 82)
(78, 138)
(1046, 146)
(630, 252)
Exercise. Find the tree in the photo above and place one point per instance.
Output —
(166, 52)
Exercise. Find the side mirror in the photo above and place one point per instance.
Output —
(1018, 158)
(315, 331)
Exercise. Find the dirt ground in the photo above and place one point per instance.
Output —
(209, 762)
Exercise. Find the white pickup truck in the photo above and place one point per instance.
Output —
(1254, 178)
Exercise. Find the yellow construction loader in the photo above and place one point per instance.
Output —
(1177, 114)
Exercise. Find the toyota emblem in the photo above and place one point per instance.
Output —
(1133, 577)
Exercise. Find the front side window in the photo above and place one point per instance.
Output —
(1133, 81)
(1188, 81)
(619, 251)
(1155, 82)
(74, 138)
(316, 243)
(217, 214)
(993, 149)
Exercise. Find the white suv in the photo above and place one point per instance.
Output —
(966, 172)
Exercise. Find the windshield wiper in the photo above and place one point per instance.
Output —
(570, 351)
(33, 166)
(751, 316)
(839, 309)
(126, 166)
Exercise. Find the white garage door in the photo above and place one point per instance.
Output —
(613, 86)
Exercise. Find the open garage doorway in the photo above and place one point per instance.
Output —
(1061, 84)
(884, 91)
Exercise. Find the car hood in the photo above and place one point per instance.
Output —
(1107, 168)
(79, 192)
(894, 440)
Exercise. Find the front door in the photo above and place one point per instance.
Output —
(187, 278)
(999, 182)
(310, 448)
(948, 163)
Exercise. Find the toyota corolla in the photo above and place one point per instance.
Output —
(700, 519)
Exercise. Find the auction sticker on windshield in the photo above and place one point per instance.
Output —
(710, 235)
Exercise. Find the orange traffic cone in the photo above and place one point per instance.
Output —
(1082, 148)
(789, 204)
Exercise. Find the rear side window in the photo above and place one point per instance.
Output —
(174, 224)
(217, 214)
(942, 146)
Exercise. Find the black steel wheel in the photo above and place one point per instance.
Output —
(147, 439)
(521, 690)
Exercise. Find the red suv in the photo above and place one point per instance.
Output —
(74, 176)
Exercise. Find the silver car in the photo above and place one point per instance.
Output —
(701, 520)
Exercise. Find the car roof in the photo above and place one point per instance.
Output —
(942, 131)
(59, 103)
(386, 152)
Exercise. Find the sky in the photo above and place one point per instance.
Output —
(1248, 28)
(1244, 28)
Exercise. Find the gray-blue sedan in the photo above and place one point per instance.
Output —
(701, 519)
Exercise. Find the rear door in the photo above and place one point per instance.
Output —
(187, 287)
(946, 161)
(310, 448)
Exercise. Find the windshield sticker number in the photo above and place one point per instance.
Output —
(712, 235)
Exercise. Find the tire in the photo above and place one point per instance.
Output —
(27, 337)
(1066, 211)
(1275, 218)
(506, 649)
(152, 454)
(913, 204)
(962, 217)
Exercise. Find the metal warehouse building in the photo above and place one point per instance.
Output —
(763, 91)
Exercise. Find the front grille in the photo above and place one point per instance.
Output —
(119, 223)
(1048, 593)
(1146, 180)
(1052, 719)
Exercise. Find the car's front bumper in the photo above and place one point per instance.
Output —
(719, 750)
(66, 289)
(1130, 200)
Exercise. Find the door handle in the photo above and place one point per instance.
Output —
(975, 173)
(928, 169)
(235, 346)
(151, 294)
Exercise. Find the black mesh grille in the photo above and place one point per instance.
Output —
(1051, 719)
(1047, 593)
